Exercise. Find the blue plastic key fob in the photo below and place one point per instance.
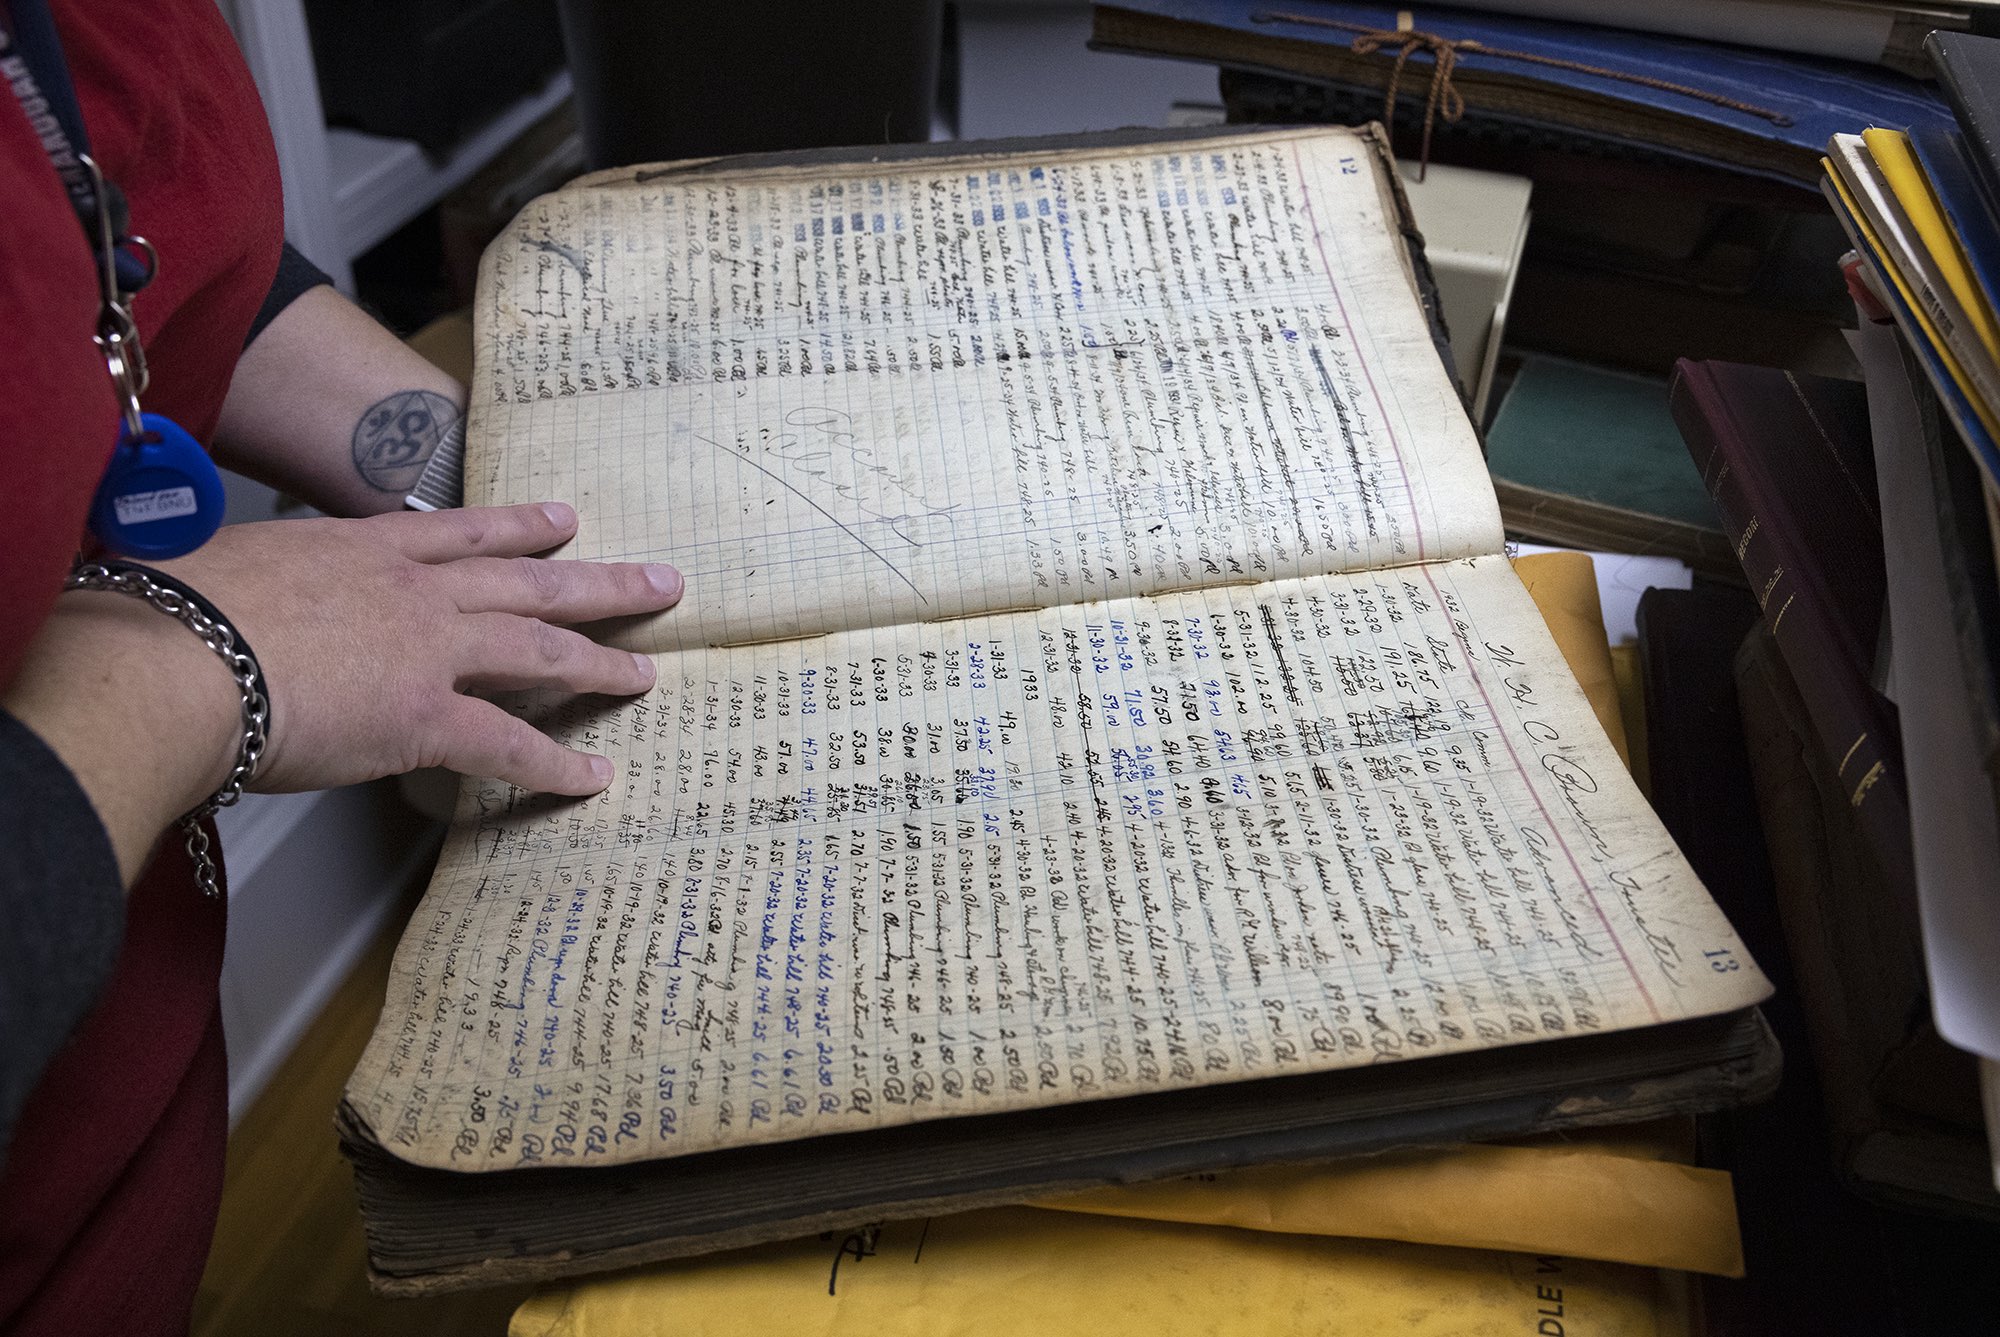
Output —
(161, 495)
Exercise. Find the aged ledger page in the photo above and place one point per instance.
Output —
(970, 387)
(1103, 696)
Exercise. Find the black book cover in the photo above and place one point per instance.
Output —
(1968, 67)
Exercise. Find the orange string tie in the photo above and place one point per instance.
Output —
(1441, 96)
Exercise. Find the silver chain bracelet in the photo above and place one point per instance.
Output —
(202, 618)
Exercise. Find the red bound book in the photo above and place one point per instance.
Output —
(1787, 459)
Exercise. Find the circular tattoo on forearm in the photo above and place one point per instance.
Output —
(396, 437)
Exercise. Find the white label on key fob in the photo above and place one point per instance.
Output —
(167, 503)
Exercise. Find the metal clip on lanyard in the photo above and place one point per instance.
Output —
(117, 332)
(161, 495)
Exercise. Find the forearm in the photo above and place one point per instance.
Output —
(331, 407)
(144, 715)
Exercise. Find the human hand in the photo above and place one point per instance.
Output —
(370, 632)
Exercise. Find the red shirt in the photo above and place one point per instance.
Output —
(108, 1194)
(174, 119)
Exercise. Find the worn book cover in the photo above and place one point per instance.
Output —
(1589, 457)
(1102, 738)
(1902, 1106)
(1789, 462)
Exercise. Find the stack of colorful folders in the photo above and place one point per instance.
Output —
(1923, 211)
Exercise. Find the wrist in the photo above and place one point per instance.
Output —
(145, 715)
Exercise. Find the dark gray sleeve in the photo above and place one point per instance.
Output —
(296, 275)
(62, 911)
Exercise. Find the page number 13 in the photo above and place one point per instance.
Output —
(1722, 960)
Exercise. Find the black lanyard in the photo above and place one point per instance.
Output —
(160, 495)
(33, 65)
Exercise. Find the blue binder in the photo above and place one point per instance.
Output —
(1945, 158)
(1968, 67)
(1802, 100)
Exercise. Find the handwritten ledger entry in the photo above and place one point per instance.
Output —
(1153, 372)
(1113, 693)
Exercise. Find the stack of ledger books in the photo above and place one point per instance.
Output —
(1923, 212)
(1103, 738)
(1792, 466)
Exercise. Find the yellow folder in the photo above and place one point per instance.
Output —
(1898, 163)
(1014, 1271)
(1616, 1197)
(1564, 588)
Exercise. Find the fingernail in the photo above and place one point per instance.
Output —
(561, 514)
(600, 770)
(645, 665)
(664, 579)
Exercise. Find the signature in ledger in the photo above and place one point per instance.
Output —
(817, 437)
(815, 441)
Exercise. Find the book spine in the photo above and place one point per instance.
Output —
(1856, 727)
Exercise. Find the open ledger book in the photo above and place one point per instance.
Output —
(1101, 733)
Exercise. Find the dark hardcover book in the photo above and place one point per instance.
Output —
(1788, 462)
(1700, 777)
(1820, 1259)
(1803, 1233)
(1968, 68)
(1902, 1105)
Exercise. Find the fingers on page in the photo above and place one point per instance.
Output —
(480, 531)
(565, 592)
(502, 652)
(485, 740)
